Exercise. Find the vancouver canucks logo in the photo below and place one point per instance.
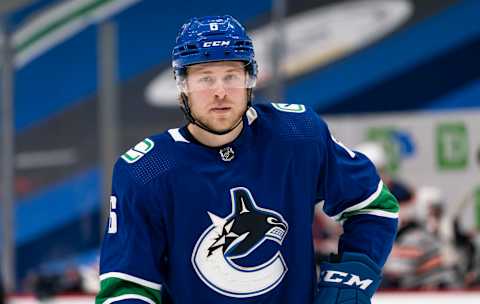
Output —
(235, 237)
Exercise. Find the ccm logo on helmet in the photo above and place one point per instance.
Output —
(216, 43)
(333, 276)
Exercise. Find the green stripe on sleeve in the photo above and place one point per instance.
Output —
(385, 205)
(118, 288)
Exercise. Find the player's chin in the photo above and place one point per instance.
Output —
(224, 125)
(222, 128)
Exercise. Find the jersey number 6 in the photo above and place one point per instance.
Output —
(112, 223)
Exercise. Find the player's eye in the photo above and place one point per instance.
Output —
(206, 80)
(233, 80)
(231, 77)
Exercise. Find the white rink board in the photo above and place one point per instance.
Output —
(449, 297)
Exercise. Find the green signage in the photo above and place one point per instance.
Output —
(452, 146)
(385, 135)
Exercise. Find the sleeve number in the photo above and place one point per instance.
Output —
(112, 223)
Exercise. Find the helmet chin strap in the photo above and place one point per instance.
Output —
(189, 116)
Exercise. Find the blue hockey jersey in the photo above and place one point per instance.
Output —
(233, 224)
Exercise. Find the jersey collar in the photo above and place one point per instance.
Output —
(183, 134)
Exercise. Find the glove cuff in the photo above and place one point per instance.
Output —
(354, 271)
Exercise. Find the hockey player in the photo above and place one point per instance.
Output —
(220, 210)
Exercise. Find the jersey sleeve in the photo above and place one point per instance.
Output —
(354, 194)
(132, 259)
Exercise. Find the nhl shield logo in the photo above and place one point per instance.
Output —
(219, 249)
(227, 153)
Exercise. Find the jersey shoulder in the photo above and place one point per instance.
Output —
(148, 159)
(290, 122)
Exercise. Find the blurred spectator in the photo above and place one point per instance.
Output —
(468, 266)
(421, 258)
(90, 279)
(45, 285)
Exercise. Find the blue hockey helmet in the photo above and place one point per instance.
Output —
(213, 38)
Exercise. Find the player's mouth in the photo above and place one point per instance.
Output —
(220, 110)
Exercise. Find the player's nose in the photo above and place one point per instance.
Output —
(219, 91)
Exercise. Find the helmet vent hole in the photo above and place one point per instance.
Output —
(242, 49)
(243, 43)
(216, 33)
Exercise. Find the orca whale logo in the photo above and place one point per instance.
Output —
(234, 237)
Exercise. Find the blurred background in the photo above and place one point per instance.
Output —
(84, 80)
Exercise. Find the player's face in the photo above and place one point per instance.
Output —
(217, 93)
